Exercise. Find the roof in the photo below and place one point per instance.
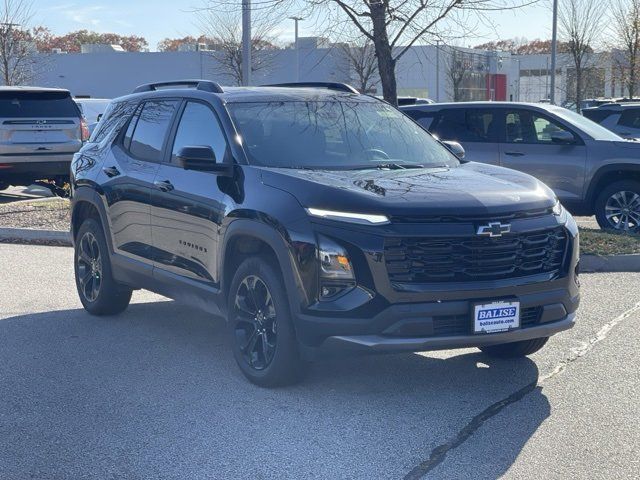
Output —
(614, 106)
(438, 106)
(291, 94)
(265, 93)
(32, 89)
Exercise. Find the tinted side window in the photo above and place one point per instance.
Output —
(527, 127)
(425, 119)
(597, 116)
(113, 120)
(199, 126)
(151, 129)
(630, 118)
(467, 125)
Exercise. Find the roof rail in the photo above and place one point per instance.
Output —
(341, 87)
(205, 85)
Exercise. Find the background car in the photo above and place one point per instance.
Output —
(40, 130)
(621, 118)
(590, 168)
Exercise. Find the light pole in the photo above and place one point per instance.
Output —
(297, 47)
(437, 70)
(246, 42)
(554, 41)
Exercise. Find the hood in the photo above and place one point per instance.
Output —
(471, 188)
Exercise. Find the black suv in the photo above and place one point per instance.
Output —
(316, 219)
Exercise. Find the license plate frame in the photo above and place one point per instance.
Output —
(497, 316)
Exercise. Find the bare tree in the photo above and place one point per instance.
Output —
(224, 28)
(625, 26)
(362, 60)
(580, 23)
(458, 66)
(17, 52)
(394, 26)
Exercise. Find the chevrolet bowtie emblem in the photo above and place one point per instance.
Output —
(494, 229)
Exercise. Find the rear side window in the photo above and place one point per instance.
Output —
(151, 129)
(630, 118)
(113, 120)
(38, 105)
(424, 119)
(597, 116)
(467, 125)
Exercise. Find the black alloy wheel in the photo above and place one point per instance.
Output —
(256, 328)
(89, 267)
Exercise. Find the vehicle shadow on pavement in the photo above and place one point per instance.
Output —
(155, 392)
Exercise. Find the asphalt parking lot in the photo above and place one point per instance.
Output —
(154, 393)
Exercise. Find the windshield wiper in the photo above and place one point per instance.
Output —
(386, 166)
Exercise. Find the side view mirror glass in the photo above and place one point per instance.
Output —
(199, 158)
(562, 137)
(455, 148)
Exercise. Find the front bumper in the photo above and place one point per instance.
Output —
(381, 343)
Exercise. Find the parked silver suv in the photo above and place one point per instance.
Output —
(40, 130)
(591, 169)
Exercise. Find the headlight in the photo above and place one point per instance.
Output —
(362, 218)
(334, 261)
(558, 209)
(336, 271)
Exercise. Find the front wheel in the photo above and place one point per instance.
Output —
(262, 334)
(515, 349)
(99, 293)
(618, 207)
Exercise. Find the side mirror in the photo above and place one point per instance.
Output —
(562, 137)
(201, 158)
(455, 148)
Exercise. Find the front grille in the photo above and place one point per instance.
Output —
(451, 325)
(475, 258)
(480, 218)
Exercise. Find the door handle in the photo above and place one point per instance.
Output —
(514, 154)
(111, 171)
(164, 186)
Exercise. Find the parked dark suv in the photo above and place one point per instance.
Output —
(316, 219)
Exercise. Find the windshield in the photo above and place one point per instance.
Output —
(334, 135)
(591, 128)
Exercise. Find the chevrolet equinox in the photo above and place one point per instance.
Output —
(316, 219)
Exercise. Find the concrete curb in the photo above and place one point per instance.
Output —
(33, 236)
(610, 263)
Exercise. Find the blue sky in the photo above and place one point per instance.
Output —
(157, 19)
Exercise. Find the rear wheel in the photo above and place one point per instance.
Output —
(262, 334)
(99, 293)
(515, 349)
(618, 207)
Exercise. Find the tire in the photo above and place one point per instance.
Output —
(99, 293)
(622, 200)
(261, 330)
(515, 349)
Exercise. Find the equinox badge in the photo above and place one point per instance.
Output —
(494, 229)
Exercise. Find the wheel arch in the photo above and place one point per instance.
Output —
(86, 203)
(609, 174)
(243, 238)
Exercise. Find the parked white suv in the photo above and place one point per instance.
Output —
(40, 130)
